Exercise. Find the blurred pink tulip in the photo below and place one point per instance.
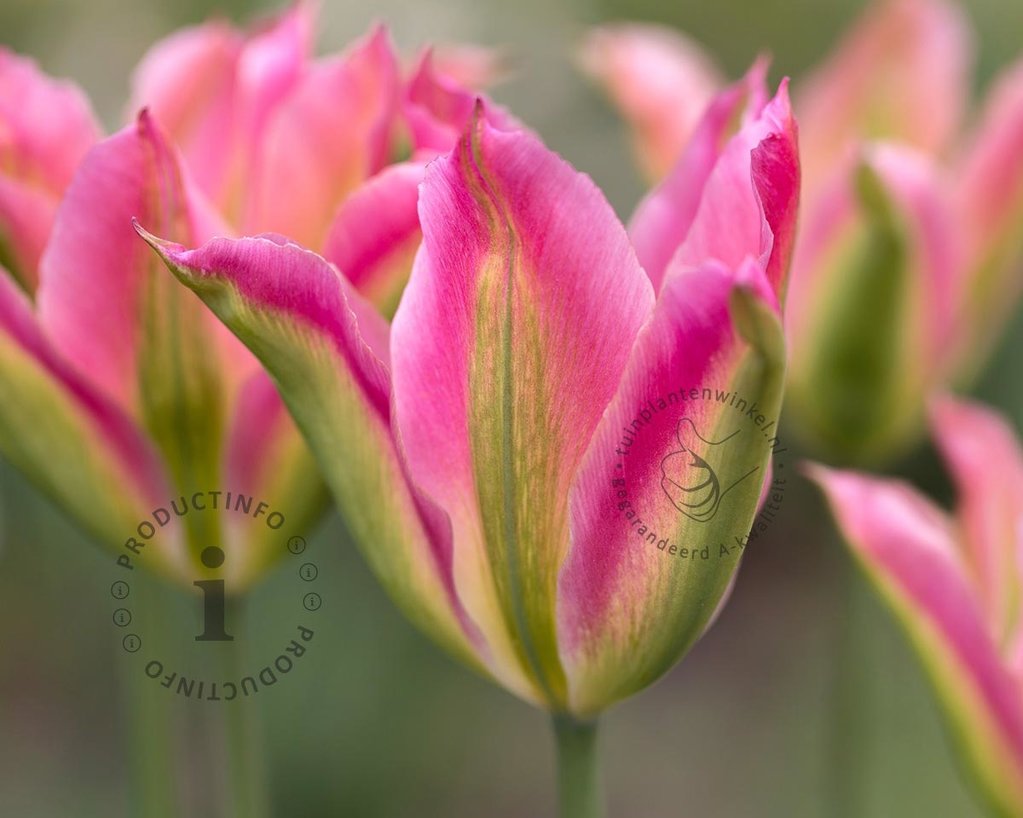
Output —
(661, 82)
(121, 390)
(46, 126)
(276, 140)
(955, 582)
(909, 258)
(470, 445)
(123, 393)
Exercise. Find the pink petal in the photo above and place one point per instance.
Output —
(629, 606)
(26, 218)
(327, 349)
(989, 201)
(271, 65)
(660, 80)
(525, 297)
(906, 546)
(991, 173)
(376, 233)
(750, 198)
(67, 437)
(187, 81)
(46, 126)
(438, 109)
(215, 91)
(331, 134)
(985, 459)
(901, 74)
(756, 167)
(96, 275)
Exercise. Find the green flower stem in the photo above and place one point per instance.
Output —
(150, 721)
(246, 767)
(850, 738)
(580, 794)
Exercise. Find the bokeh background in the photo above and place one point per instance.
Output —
(798, 703)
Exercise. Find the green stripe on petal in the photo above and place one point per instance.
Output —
(324, 348)
(509, 342)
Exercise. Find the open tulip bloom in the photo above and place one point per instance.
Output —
(471, 445)
(954, 582)
(122, 393)
(124, 399)
(908, 263)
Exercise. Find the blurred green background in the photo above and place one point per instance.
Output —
(379, 722)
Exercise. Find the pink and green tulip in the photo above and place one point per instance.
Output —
(46, 127)
(122, 393)
(471, 444)
(910, 257)
(124, 367)
(254, 115)
(954, 582)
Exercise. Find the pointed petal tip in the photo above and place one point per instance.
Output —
(817, 473)
(379, 30)
(162, 246)
(758, 70)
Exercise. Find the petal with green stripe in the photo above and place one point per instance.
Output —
(509, 343)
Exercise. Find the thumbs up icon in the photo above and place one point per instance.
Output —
(688, 478)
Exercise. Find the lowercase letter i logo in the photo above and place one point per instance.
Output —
(213, 599)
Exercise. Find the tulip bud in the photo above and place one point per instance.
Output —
(871, 306)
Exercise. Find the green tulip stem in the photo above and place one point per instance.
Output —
(580, 794)
(150, 720)
(850, 694)
(246, 772)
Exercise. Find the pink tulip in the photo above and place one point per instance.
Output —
(471, 66)
(275, 139)
(46, 126)
(254, 116)
(954, 581)
(471, 445)
(122, 392)
(901, 74)
(661, 82)
(909, 258)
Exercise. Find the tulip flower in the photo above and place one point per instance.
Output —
(908, 264)
(953, 581)
(274, 139)
(660, 80)
(254, 116)
(472, 445)
(46, 126)
(122, 367)
(122, 394)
